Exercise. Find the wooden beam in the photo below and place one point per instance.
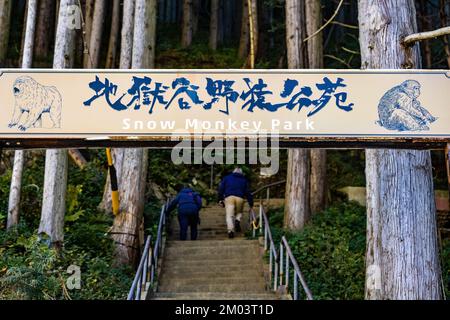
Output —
(166, 142)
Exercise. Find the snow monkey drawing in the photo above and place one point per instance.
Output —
(400, 110)
(34, 99)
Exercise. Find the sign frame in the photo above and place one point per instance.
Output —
(158, 140)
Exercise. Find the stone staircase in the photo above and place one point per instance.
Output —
(213, 267)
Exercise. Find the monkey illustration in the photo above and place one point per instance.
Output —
(400, 110)
(34, 99)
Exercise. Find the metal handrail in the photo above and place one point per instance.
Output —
(279, 262)
(148, 265)
(274, 259)
(284, 268)
(140, 280)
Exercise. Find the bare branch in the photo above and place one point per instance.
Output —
(338, 60)
(345, 25)
(327, 23)
(412, 38)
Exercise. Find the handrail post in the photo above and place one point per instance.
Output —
(281, 264)
(287, 271)
(260, 221)
(275, 283)
(295, 286)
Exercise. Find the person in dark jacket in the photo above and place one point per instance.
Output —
(189, 204)
(233, 189)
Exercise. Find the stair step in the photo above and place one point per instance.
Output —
(202, 259)
(173, 273)
(204, 280)
(238, 287)
(208, 235)
(206, 264)
(219, 250)
(213, 296)
(213, 243)
(213, 268)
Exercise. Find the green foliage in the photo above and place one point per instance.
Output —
(330, 250)
(31, 275)
(29, 269)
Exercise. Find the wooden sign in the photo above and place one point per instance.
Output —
(154, 105)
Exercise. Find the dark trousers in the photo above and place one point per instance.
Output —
(188, 220)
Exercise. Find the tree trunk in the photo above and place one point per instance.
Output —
(27, 58)
(144, 34)
(5, 17)
(213, 24)
(127, 223)
(55, 181)
(19, 156)
(444, 22)
(169, 11)
(126, 44)
(15, 190)
(195, 16)
(77, 158)
(127, 229)
(111, 56)
(54, 198)
(44, 30)
(96, 34)
(245, 32)
(297, 208)
(255, 33)
(317, 197)
(297, 54)
(318, 191)
(126, 52)
(187, 29)
(402, 259)
(89, 17)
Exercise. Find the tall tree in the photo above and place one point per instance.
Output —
(187, 28)
(44, 29)
(214, 24)
(196, 6)
(297, 209)
(254, 34)
(126, 43)
(19, 156)
(5, 17)
(55, 181)
(244, 39)
(128, 223)
(89, 17)
(95, 39)
(402, 254)
(144, 35)
(111, 56)
(317, 197)
(126, 53)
